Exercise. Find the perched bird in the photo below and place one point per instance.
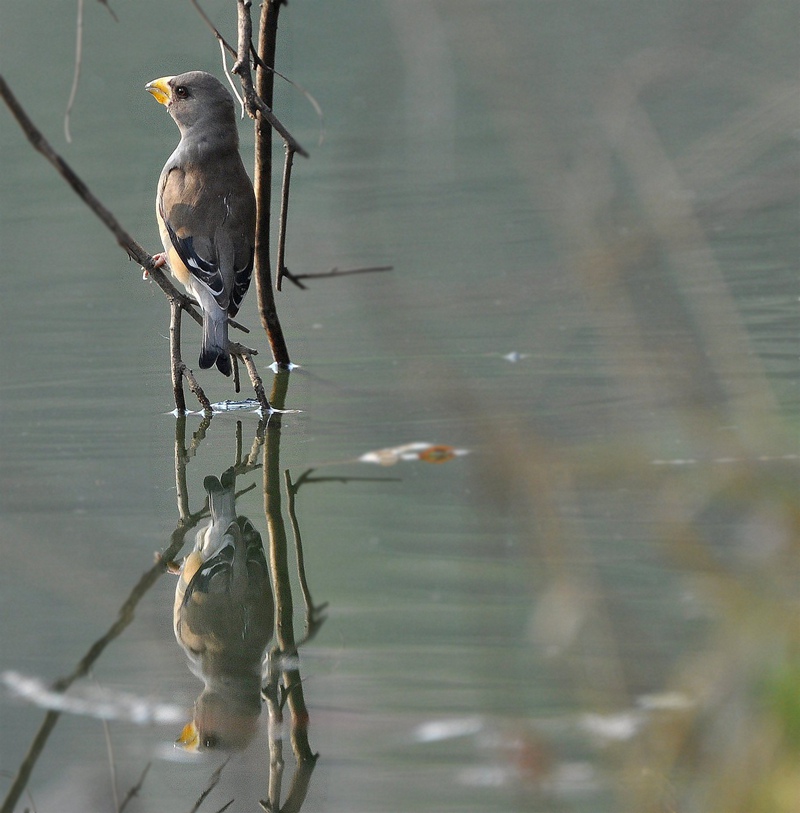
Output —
(223, 618)
(205, 206)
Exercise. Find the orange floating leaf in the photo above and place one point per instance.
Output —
(437, 454)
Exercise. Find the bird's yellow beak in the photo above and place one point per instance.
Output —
(189, 739)
(160, 89)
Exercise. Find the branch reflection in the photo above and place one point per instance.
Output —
(233, 597)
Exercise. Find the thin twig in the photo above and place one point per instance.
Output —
(277, 126)
(237, 325)
(176, 299)
(287, 175)
(176, 364)
(261, 64)
(314, 617)
(255, 380)
(251, 461)
(334, 272)
(238, 457)
(40, 144)
(124, 618)
(76, 72)
(207, 21)
(230, 78)
(239, 349)
(224, 46)
(317, 107)
(134, 791)
(109, 9)
(196, 389)
(237, 383)
(212, 783)
(124, 239)
(255, 105)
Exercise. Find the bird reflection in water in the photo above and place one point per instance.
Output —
(223, 619)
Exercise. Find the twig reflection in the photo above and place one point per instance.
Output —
(124, 617)
(233, 596)
(229, 604)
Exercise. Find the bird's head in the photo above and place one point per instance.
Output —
(194, 98)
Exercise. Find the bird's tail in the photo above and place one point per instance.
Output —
(222, 497)
(215, 342)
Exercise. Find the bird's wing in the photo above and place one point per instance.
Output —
(240, 228)
(189, 218)
(242, 273)
(209, 220)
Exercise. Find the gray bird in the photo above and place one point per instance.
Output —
(205, 206)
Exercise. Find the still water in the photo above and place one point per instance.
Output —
(528, 539)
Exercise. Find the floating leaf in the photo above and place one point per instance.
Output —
(427, 452)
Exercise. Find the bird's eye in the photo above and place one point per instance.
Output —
(181, 92)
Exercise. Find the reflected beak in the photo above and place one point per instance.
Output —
(189, 739)
(160, 89)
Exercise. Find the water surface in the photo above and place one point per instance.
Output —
(591, 214)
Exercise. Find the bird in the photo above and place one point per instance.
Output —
(223, 618)
(205, 206)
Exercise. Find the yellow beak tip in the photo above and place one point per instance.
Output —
(160, 89)
(189, 738)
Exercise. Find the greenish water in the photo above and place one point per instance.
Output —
(591, 211)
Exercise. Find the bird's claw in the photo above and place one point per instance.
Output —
(159, 260)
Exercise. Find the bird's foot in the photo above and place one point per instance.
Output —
(170, 565)
(159, 260)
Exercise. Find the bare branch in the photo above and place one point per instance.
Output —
(262, 184)
(196, 389)
(244, 41)
(132, 248)
(287, 174)
(334, 272)
(245, 51)
(40, 144)
(125, 616)
(134, 791)
(207, 20)
(176, 365)
(178, 301)
(255, 105)
(278, 127)
(212, 783)
(230, 78)
(109, 9)
(255, 379)
(225, 45)
(261, 64)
